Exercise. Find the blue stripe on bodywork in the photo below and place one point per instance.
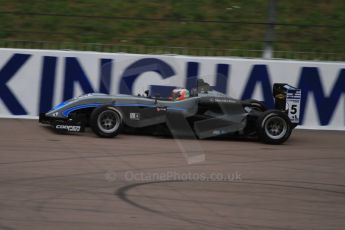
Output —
(59, 106)
(68, 111)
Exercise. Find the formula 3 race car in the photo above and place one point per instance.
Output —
(204, 114)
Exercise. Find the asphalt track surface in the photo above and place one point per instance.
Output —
(54, 181)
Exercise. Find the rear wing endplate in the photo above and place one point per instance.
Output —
(288, 99)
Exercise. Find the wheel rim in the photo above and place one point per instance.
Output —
(108, 121)
(275, 127)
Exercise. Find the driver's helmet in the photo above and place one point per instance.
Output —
(180, 94)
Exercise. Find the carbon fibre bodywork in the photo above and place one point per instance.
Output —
(206, 113)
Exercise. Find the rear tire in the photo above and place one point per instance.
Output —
(273, 127)
(258, 105)
(106, 121)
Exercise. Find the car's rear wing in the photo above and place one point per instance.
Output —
(288, 99)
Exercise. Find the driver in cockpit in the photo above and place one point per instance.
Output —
(180, 94)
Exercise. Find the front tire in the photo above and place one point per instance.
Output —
(273, 127)
(106, 121)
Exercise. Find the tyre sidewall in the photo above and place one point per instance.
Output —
(94, 121)
(261, 127)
